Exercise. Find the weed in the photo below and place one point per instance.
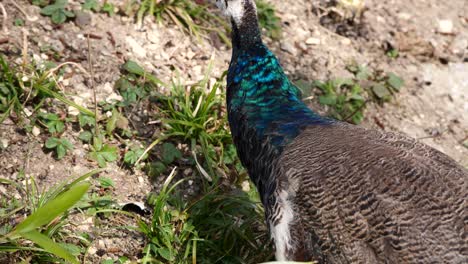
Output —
(92, 5)
(169, 154)
(171, 235)
(393, 53)
(29, 85)
(54, 123)
(61, 146)
(134, 154)
(48, 213)
(216, 228)
(231, 227)
(57, 11)
(103, 153)
(268, 19)
(108, 8)
(348, 97)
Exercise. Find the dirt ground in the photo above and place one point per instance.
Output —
(433, 61)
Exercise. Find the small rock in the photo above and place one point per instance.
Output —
(445, 26)
(245, 186)
(82, 19)
(72, 110)
(346, 41)
(3, 190)
(113, 97)
(101, 244)
(36, 131)
(4, 143)
(288, 47)
(404, 16)
(106, 88)
(153, 37)
(313, 41)
(140, 179)
(136, 47)
(459, 45)
(92, 250)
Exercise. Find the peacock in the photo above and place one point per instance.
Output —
(335, 192)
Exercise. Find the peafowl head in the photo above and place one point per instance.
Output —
(237, 10)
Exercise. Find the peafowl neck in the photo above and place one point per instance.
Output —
(265, 110)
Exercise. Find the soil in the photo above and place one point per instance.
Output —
(316, 43)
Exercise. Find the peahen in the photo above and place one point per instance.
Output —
(335, 192)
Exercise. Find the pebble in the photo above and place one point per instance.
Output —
(345, 41)
(313, 41)
(72, 110)
(404, 16)
(445, 26)
(82, 19)
(245, 186)
(288, 47)
(3, 189)
(140, 179)
(36, 131)
(4, 143)
(27, 112)
(92, 250)
(136, 47)
(101, 244)
(113, 97)
(459, 45)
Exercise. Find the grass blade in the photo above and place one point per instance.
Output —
(52, 209)
(49, 245)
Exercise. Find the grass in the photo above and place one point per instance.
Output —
(195, 19)
(216, 228)
(41, 234)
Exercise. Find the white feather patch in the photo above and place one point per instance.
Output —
(281, 233)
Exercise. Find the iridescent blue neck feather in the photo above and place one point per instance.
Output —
(265, 110)
(259, 90)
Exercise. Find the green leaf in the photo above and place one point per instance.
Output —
(49, 245)
(91, 5)
(84, 119)
(85, 136)
(381, 91)
(156, 168)
(133, 155)
(109, 153)
(106, 154)
(61, 151)
(230, 154)
(58, 17)
(165, 253)
(329, 99)
(108, 8)
(49, 10)
(18, 22)
(133, 67)
(363, 73)
(51, 142)
(106, 182)
(45, 214)
(395, 81)
(170, 153)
